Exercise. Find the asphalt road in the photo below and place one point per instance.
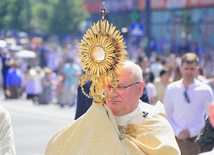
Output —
(34, 124)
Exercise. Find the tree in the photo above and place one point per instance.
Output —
(45, 16)
(41, 13)
(12, 14)
(3, 12)
(66, 16)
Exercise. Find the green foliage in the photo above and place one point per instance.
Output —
(66, 16)
(3, 12)
(11, 12)
(46, 16)
(41, 13)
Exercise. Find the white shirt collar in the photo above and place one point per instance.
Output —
(123, 120)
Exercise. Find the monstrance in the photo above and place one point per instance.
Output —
(102, 53)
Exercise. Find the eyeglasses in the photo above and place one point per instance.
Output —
(186, 97)
(120, 88)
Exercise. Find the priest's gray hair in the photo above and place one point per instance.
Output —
(136, 70)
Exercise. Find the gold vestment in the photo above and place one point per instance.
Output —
(96, 133)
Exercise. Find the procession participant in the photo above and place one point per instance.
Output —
(124, 125)
(211, 121)
(186, 102)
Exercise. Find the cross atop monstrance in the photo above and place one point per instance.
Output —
(103, 11)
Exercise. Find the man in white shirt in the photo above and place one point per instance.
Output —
(7, 146)
(186, 103)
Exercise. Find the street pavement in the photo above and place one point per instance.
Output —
(34, 124)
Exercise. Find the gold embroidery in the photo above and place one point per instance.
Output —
(130, 129)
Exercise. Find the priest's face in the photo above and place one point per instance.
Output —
(125, 97)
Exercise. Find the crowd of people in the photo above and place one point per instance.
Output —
(178, 82)
(45, 78)
(186, 102)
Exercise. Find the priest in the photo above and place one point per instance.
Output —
(123, 125)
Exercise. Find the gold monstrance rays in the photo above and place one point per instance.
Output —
(102, 53)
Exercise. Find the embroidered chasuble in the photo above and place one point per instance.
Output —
(7, 146)
(147, 132)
